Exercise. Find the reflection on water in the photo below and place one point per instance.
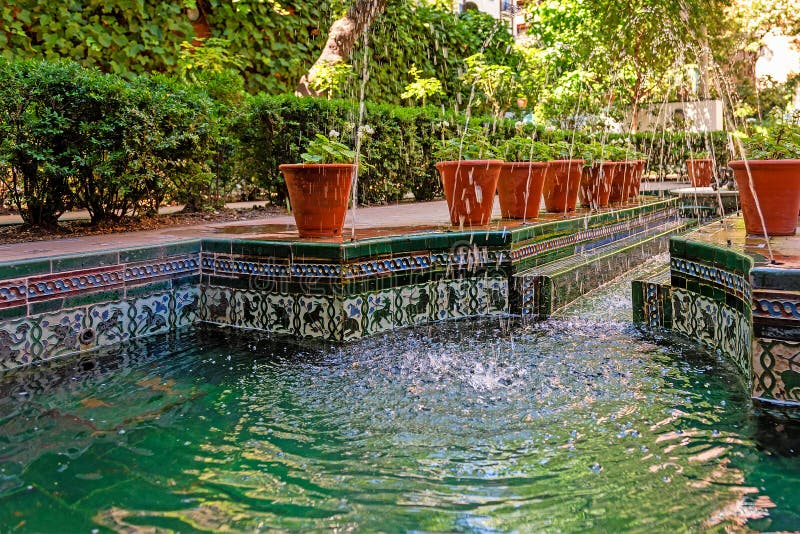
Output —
(569, 424)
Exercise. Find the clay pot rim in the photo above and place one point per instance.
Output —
(555, 162)
(470, 162)
(740, 163)
(523, 164)
(293, 166)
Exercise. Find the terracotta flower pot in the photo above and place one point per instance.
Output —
(319, 194)
(635, 181)
(777, 189)
(469, 187)
(596, 183)
(561, 184)
(520, 189)
(700, 171)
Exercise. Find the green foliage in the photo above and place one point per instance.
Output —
(326, 149)
(427, 34)
(40, 104)
(274, 43)
(75, 137)
(329, 78)
(779, 139)
(472, 144)
(422, 88)
(126, 37)
(496, 84)
(520, 148)
(209, 56)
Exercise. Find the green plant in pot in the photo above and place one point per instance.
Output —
(319, 188)
(563, 176)
(768, 177)
(522, 177)
(469, 175)
(599, 173)
(628, 169)
(700, 167)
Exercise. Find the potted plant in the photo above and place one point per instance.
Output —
(769, 178)
(625, 181)
(700, 168)
(319, 188)
(563, 177)
(599, 173)
(469, 177)
(522, 177)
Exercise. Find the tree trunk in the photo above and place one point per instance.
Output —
(341, 38)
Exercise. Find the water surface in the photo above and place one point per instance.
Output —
(576, 423)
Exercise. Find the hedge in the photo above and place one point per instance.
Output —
(75, 137)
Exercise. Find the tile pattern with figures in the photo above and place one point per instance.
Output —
(51, 335)
(776, 370)
(51, 307)
(346, 317)
(715, 325)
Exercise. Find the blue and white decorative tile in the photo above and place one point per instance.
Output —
(684, 320)
(247, 309)
(416, 304)
(187, 306)
(706, 312)
(279, 313)
(493, 292)
(735, 336)
(316, 316)
(216, 304)
(380, 308)
(16, 341)
(353, 317)
(152, 315)
(61, 332)
(107, 323)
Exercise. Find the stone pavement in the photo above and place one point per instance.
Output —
(83, 215)
(413, 216)
(375, 221)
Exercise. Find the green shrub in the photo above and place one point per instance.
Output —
(47, 120)
(275, 130)
(71, 136)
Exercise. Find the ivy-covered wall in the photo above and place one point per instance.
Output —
(276, 41)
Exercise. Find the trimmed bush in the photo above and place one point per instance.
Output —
(74, 137)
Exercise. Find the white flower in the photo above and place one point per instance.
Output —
(333, 134)
(368, 129)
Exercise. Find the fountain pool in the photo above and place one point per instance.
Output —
(574, 423)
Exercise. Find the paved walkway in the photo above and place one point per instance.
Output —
(419, 215)
(369, 222)
(83, 215)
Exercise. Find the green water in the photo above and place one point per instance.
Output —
(577, 423)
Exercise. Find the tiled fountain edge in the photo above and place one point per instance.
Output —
(747, 311)
(57, 306)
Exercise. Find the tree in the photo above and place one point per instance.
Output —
(342, 36)
(628, 49)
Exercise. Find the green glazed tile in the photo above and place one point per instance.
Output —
(94, 297)
(220, 246)
(139, 290)
(261, 249)
(14, 312)
(85, 261)
(317, 251)
(22, 269)
(45, 306)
